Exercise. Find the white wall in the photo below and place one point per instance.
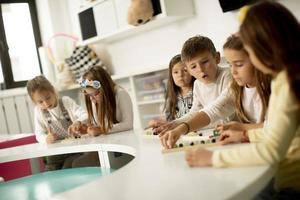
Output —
(156, 47)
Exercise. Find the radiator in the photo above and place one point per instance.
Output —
(16, 112)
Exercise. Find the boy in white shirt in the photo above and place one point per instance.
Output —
(201, 58)
(247, 97)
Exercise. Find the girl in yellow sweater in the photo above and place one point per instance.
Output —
(270, 34)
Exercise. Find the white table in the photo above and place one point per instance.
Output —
(151, 174)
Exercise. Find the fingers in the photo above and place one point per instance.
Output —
(222, 127)
(69, 130)
(76, 129)
(163, 129)
(51, 133)
(227, 140)
(49, 130)
(227, 137)
(161, 132)
(191, 157)
(94, 130)
(154, 124)
(160, 129)
(223, 135)
(51, 137)
(163, 140)
(171, 141)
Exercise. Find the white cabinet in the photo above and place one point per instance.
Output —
(107, 19)
(147, 92)
(150, 95)
(121, 13)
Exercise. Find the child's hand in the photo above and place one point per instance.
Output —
(154, 123)
(169, 139)
(74, 128)
(231, 126)
(198, 157)
(51, 137)
(162, 129)
(77, 129)
(94, 130)
(231, 136)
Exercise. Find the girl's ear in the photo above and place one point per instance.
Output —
(218, 57)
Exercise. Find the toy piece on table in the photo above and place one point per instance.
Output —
(88, 132)
(82, 133)
(149, 132)
(184, 148)
(77, 137)
(190, 141)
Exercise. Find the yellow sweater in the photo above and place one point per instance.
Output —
(277, 142)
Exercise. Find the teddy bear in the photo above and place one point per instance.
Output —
(140, 12)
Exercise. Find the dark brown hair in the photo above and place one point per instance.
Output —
(262, 84)
(173, 90)
(106, 112)
(39, 83)
(195, 45)
(273, 32)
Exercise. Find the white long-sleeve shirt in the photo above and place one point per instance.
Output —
(205, 94)
(124, 111)
(75, 112)
(224, 105)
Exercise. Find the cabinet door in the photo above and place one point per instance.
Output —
(105, 18)
(122, 7)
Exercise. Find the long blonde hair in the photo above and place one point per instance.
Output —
(106, 112)
(262, 84)
(272, 32)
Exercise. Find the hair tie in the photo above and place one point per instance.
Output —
(242, 13)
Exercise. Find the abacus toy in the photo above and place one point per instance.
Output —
(205, 138)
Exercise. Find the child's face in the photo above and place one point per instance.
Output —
(204, 67)
(256, 62)
(45, 99)
(93, 93)
(180, 75)
(241, 68)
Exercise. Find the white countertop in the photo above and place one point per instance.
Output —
(151, 174)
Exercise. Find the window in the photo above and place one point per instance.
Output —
(19, 39)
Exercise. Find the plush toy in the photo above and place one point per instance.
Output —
(140, 12)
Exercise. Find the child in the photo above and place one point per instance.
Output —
(271, 37)
(52, 117)
(113, 109)
(248, 97)
(201, 59)
(179, 95)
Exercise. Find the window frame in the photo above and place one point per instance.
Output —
(8, 79)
